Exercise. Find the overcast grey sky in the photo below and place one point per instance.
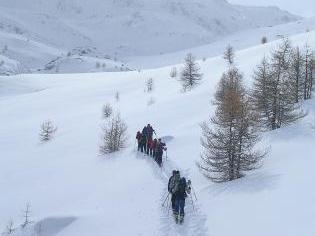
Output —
(301, 7)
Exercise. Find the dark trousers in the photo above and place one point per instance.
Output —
(173, 202)
(158, 159)
(148, 149)
(144, 147)
(179, 206)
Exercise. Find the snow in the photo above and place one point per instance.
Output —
(302, 7)
(75, 191)
(37, 31)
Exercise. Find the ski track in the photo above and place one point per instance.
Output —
(195, 221)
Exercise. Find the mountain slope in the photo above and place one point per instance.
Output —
(121, 28)
(73, 191)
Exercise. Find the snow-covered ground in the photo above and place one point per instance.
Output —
(74, 191)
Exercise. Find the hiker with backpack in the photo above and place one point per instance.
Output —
(150, 131)
(149, 144)
(138, 138)
(153, 147)
(160, 147)
(180, 193)
(172, 183)
(143, 145)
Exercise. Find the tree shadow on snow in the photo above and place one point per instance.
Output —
(52, 225)
(249, 184)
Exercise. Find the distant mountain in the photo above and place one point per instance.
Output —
(122, 28)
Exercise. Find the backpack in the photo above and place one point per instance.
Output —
(182, 186)
(174, 185)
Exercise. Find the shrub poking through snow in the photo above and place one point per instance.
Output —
(264, 40)
(9, 229)
(149, 84)
(107, 110)
(26, 216)
(47, 131)
(173, 73)
(190, 74)
(117, 96)
(151, 101)
(114, 135)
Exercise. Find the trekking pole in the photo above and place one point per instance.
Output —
(169, 208)
(165, 199)
(194, 192)
(192, 202)
(134, 146)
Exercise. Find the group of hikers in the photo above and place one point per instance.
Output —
(178, 188)
(152, 147)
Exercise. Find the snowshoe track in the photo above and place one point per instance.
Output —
(194, 223)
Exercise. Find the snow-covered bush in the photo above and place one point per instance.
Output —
(26, 216)
(264, 40)
(173, 73)
(114, 135)
(151, 101)
(149, 84)
(9, 228)
(117, 96)
(47, 131)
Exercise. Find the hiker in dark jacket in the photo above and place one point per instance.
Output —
(180, 193)
(172, 184)
(138, 137)
(145, 132)
(143, 144)
(150, 131)
(160, 147)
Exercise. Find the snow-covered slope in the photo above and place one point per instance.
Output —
(240, 40)
(302, 7)
(38, 31)
(73, 191)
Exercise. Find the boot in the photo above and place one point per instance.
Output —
(181, 219)
(176, 217)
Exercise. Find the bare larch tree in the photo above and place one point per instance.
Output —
(190, 74)
(274, 93)
(229, 55)
(26, 216)
(229, 144)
